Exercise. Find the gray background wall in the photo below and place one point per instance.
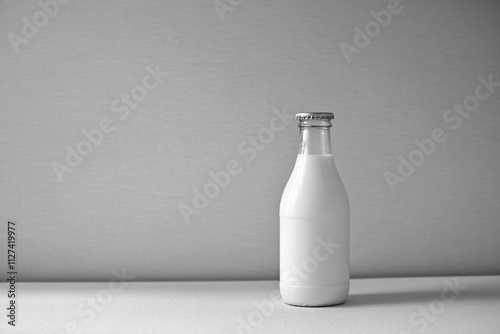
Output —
(120, 207)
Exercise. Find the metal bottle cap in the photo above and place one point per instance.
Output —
(302, 116)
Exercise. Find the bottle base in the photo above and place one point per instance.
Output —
(314, 296)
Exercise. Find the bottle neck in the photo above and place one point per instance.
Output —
(315, 137)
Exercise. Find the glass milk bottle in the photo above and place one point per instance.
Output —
(314, 221)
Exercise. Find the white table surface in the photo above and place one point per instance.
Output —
(383, 305)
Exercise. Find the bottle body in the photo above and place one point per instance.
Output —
(314, 232)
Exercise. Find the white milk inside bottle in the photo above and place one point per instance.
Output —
(314, 222)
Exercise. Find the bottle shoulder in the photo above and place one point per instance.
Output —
(314, 189)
